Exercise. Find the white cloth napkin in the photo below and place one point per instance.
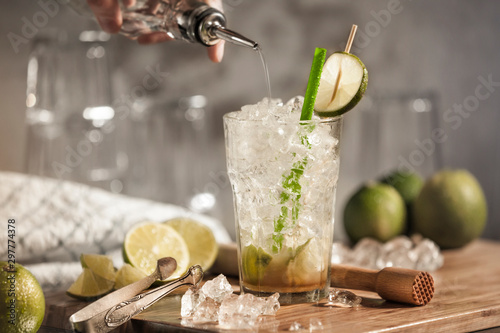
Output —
(55, 221)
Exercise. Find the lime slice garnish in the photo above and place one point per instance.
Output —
(89, 286)
(343, 83)
(128, 274)
(254, 263)
(146, 243)
(199, 239)
(101, 265)
(313, 84)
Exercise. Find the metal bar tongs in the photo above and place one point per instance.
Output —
(121, 305)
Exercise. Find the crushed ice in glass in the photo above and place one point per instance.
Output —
(215, 301)
(279, 138)
(415, 253)
(343, 298)
(273, 109)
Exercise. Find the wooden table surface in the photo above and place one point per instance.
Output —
(467, 298)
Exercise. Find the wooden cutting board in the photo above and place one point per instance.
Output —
(467, 298)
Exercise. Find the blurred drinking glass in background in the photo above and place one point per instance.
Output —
(407, 136)
(385, 133)
(165, 150)
(73, 131)
(176, 153)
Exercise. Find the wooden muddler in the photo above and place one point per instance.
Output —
(393, 284)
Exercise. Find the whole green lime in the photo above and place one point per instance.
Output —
(376, 210)
(22, 304)
(451, 209)
(408, 185)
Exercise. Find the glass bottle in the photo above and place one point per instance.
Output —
(187, 20)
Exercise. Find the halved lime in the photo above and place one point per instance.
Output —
(101, 265)
(147, 242)
(128, 274)
(343, 82)
(199, 239)
(90, 286)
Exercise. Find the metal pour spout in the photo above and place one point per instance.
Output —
(233, 37)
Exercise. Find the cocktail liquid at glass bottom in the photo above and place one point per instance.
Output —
(284, 275)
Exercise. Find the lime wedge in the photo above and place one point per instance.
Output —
(343, 83)
(101, 265)
(128, 274)
(199, 239)
(254, 263)
(308, 263)
(89, 286)
(147, 242)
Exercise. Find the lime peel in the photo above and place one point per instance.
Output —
(313, 84)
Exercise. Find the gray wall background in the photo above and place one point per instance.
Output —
(440, 46)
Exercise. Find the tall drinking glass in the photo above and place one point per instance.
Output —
(284, 177)
(73, 129)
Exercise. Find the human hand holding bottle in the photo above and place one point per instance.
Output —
(109, 16)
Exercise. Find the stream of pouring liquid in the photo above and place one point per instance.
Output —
(266, 71)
